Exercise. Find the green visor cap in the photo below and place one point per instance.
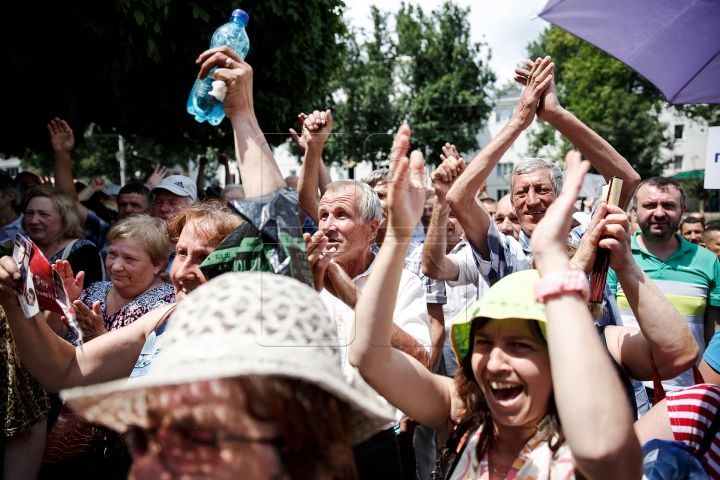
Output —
(511, 297)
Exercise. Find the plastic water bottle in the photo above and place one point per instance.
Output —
(206, 100)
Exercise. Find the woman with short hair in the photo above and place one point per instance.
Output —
(137, 255)
(51, 222)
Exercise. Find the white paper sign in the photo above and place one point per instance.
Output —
(712, 161)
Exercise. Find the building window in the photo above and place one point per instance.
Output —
(503, 169)
(678, 162)
(679, 130)
(502, 115)
(501, 193)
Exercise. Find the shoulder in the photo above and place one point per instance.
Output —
(160, 295)
(96, 292)
(84, 244)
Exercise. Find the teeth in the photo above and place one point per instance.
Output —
(185, 290)
(502, 386)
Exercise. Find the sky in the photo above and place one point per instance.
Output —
(505, 25)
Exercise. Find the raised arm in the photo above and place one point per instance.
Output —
(601, 154)
(226, 163)
(258, 169)
(599, 433)
(316, 129)
(63, 141)
(390, 372)
(200, 181)
(55, 363)
(96, 184)
(461, 196)
(435, 262)
(663, 331)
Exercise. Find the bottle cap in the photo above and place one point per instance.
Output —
(244, 17)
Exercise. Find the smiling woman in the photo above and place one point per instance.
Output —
(137, 255)
(53, 225)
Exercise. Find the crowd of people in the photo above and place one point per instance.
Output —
(448, 335)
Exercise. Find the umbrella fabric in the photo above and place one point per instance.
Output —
(675, 44)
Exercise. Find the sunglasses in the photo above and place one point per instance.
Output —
(187, 439)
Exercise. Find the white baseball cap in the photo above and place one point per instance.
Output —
(179, 185)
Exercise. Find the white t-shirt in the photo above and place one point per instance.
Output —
(410, 315)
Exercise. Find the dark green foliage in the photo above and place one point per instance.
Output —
(430, 76)
(129, 65)
(606, 95)
(448, 98)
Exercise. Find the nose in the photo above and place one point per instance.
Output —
(328, 224)
(186, 271)
(116, 265)
(532, 197)
(505, 225)
(497, 361)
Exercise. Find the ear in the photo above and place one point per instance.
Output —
(159, 267)
(374, 225)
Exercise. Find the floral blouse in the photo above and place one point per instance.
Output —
(97, 292)
(535, 461)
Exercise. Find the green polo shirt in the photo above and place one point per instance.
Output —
(689, 278)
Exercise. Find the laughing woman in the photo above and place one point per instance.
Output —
(535, 395)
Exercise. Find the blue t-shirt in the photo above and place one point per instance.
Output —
(96, 230)
(712, 352)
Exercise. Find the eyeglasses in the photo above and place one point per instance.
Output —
(186, 439)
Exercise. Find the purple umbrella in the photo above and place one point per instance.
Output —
(675, 44)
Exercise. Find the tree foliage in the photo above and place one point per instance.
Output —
(426, 72)
(448, 99)
(606, 95)
(128, 66)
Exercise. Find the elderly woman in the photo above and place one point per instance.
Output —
(52, 223)
(137, 255)
(535, 395)
(251, 394)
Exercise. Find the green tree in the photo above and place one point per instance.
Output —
(128, 67)
(430, 75)
(447, 80)
(360, 96)
(609, 97)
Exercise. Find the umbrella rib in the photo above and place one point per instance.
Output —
(693, 77)
(551, 8)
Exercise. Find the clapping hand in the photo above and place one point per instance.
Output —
(549, 105)
(448, 171)
(536, 82)
(90, 321)
(61, 136)
(73, 284)
(406, 190)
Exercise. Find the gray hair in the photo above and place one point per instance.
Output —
(229, 187)
(368, 203)
(529, 165)
(381, 175)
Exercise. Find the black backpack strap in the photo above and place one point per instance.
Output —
(709, 436)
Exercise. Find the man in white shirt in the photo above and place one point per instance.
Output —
(349, 214)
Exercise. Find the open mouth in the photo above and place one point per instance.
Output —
(505, 393)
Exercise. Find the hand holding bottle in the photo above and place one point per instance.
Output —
(237, 75)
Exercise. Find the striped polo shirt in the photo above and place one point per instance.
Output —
(689, 278)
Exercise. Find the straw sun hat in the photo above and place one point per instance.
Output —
(511, 297)
(249, 323)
